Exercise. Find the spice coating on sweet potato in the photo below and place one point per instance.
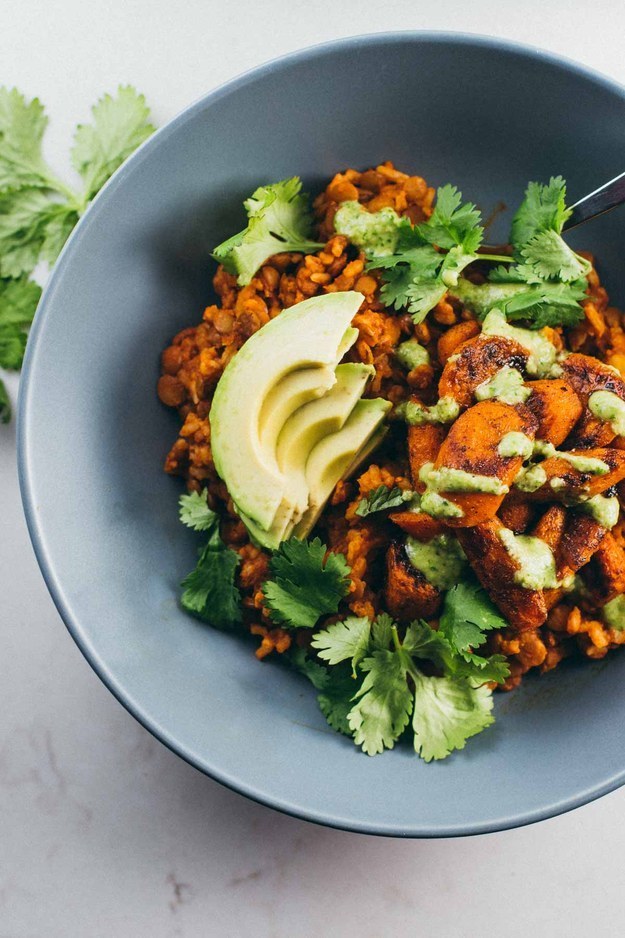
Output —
(551, 525)
(417, 524)
(575, 483)
(604, 577)
(516, 513)
(587, 374)
(476, 361)
(581, 538)
(424, 443)
(557, 409)
(472, 445)
(408, 594)
(451, 340)
(495, 569)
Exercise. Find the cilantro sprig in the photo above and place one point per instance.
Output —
(429, 257)
(382, 499)
(307, 583)
(278, 220)
(374, 685)
(543, 282)
(209, 591)
(546, 282)
(37, 209)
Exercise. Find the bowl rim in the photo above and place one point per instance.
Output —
(37, 535)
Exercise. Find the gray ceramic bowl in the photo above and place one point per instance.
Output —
(485, 115)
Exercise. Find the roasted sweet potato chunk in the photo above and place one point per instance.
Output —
(550, 527)
(471, 445)
(516, 513)
(604, 575)
(417, 524)
(455, 337)
(408, 594)
(476, 361)
(581, 538)
(573, 538)
(586, 374)
(557, 409)
(495, 569)
(424, 443)
(573, 482)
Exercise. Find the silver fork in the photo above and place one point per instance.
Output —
(601, 200)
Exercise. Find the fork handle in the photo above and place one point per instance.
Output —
(603, 199)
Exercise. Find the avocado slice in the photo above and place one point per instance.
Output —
(339, 454)
(313, 334)
(315, 420)
(287, 397)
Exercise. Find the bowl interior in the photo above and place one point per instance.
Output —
(103, 516)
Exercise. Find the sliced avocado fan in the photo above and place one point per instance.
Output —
(280, 402)
(311, 423)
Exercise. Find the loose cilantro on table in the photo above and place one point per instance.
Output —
(383, 498)
(37, 209)
(278, 220)
(5, 405)
(306, 584)
(209, 591)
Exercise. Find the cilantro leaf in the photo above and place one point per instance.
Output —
(119, 125)
(452, 223)
(424, 642)
(382, 632)
(18, 301)
(5, 404)
(195, 513)
(418, 274)
(447, 712)
(348, 639)
(12, 347)
(468, 614)
(451, 708)
(383, 498)
(278, 220)
(61, 222)
(209, 591)
(335, 687)
(479, 670)
(547, 284)
(542, 304)
(22, 126)
(306, 584)
(542, 209)
(335, 698)
(423, 297)
(549, 256)
(383, 703)
(37, 210)
(24, 218)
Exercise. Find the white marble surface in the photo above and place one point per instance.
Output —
(103, 832)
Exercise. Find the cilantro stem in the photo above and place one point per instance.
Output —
(405, 658)
(59, 186)
(499, 258)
